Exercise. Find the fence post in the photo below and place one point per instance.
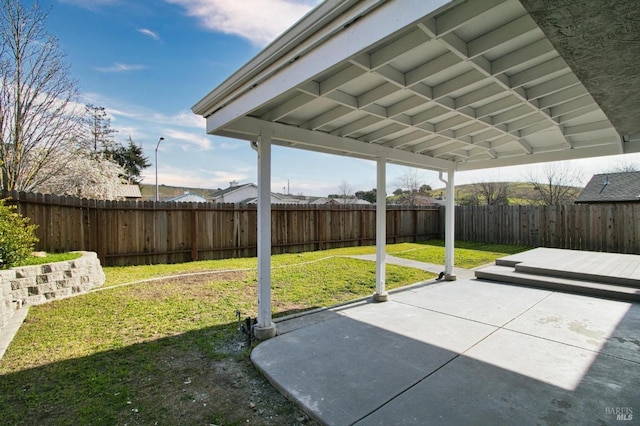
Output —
(194, 232)
(101, 232)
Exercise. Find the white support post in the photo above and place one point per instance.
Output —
(381, 231)
(265, 328)
(449, 228)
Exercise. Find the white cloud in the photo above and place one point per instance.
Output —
(117, 108)
(232, 145)
(258, 21)
(173, 176)
(147, 32)
(120, 67)
(221, 179)
(124, 132)
(186, 119)
(201, 141)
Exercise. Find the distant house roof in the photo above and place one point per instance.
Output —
(128, 191)
(233, 188)
(220, 195)
(612, 188)
(189, 198)
(348, 201)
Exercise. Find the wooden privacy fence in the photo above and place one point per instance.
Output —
(597, 227)
(133, 233)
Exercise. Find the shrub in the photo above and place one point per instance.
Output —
(17, 237)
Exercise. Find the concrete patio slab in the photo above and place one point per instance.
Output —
(606, 326)
(341, 370)
(511, 378)
(463, 352)
(437, 329)
(490, 303)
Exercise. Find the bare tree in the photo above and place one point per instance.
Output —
(556, 183)
(626, 166)
(492, 193)
(412, 184)
(38, 117)
(345, 190)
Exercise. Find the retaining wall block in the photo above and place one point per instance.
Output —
(37, 299)
(55, 276)
(26, 271)
(18, 283)
(19, 294)
(39, 284)
(42, 279)
(64, 292)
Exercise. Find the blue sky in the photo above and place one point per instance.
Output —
(147, 62)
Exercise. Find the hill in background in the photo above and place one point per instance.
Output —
(519, 192)
(167, 192)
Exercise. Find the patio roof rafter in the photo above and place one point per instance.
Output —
(488, 92)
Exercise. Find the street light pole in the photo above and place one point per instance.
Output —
(157, 145)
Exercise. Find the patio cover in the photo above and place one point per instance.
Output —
(445, 86)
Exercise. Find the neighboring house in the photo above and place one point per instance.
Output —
(129, 192)
(341, 201)
(189, 198)
(235, 193)
(247, 194)
(419, 200)
(612, 188)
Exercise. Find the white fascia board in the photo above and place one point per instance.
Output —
(519, 160)
(341, 46)
(248, 128)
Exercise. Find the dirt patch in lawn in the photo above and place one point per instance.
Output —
(193, 381)
(197, 389)
(192, 284)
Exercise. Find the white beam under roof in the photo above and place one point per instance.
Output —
(249, 128)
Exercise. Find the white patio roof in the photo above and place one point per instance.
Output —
(441, 85)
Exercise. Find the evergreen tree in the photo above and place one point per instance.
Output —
(131, 158)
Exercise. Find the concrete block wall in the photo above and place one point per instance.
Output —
(34, 285)
(7, 307)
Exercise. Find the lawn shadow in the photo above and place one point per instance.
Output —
(198, 377)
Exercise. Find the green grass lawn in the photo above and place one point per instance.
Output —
(125, 354)
(467, 255)
(49, 258)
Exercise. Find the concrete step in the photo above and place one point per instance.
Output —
(507, 274)
(508, 261)
(607, 268)
(611, 277)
